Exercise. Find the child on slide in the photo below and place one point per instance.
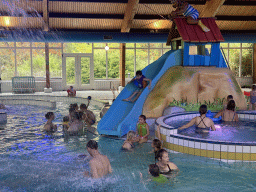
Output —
(140, 81)
(189, 12)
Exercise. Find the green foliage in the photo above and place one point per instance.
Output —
(217, 105)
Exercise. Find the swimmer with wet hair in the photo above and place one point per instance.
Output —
(99, 164)
(88, 116)
(130, 139)
(203, 123)
(76, 126)
(49, 126)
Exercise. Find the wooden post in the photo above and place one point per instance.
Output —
(47, 65)
(254, 64)
(46, 15)
(122, 65)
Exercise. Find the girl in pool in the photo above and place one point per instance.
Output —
(130, 139)
(142, 130)
(49, 126)
(165, 166)
(156, 145)
(229, 114)
(203, 123)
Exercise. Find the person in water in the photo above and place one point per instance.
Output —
(76, 126)
(99, 164)
(153, 169)
(190, 13)
(140, 82)
(156, 145)
(229, 113)
(203, 123)
(165, 166)
(65, 123)
(229, 97)
(130, 139)
(88, 116)
(49, 126)
(252, 104)
(142, 130)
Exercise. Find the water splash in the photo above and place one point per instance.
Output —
(19, 21)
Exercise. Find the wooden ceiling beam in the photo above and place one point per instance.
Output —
(46, 15)
(130, 11)
(211, 8)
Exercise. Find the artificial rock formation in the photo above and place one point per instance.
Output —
(194, 84)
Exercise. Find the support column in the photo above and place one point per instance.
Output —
(47, 88)
(122, 65)
(254, 65)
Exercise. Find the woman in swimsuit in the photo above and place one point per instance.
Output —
(130, 139)
(228, 114)
(166, 167)
(203, 123)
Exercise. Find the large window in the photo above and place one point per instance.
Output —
(239, 57)
(26, 59)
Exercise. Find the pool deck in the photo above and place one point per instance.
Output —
(95, 94)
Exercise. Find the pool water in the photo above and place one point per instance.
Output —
(30, 160)
(242, 131)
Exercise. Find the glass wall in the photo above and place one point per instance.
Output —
(239, 57)
(28, 59)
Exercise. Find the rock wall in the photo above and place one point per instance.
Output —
(194, 84)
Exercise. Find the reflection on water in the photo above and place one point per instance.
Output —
(31, 160)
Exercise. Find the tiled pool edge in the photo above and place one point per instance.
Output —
(221, 150)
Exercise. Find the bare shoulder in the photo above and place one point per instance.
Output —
(172, 166)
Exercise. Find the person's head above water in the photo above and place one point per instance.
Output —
(49, 115)
(130, 135)
(92, 144)
(83, 106)
(203, 109)
(231, 105)
(157, 144)
(154, 170)
(162, 155)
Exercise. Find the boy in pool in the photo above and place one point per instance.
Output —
(189, 12)
(49, 126)
(140, 81)
(88, 116)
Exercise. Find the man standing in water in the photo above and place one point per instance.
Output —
(99, 164)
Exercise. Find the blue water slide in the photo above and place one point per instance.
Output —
(122, 116)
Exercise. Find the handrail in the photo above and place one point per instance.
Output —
(224, 57)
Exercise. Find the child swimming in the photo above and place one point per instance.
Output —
(156, 176)
(49, 126)
(130, 139)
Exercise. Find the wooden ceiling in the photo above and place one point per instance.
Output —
(119, 15)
